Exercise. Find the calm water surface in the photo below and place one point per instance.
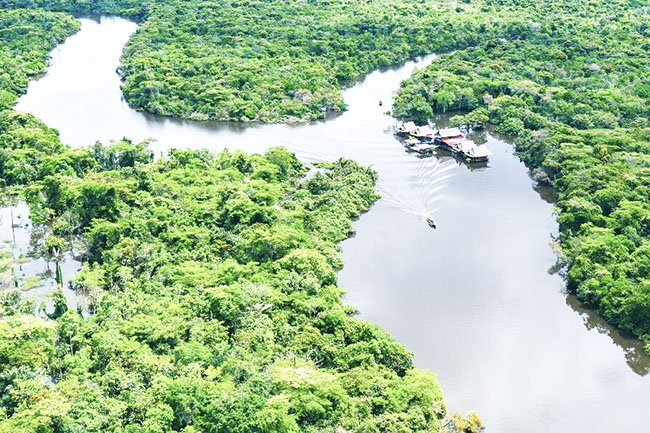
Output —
(474, 299)
(22, 267)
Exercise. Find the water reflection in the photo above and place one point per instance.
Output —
(636, 357)
(473, 299)
(23, 267)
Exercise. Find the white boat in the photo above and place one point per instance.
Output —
(406, 128)
(412, 142)
(421, 148)
(425, 133)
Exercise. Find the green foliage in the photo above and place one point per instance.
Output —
(26, 341)
(270, 61)
(134, 9)
(476, 119)
(571, 86)
(211, 280)
(471, 424)
(273, 61)
(26, 37)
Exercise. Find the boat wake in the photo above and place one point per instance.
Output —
(421, 193)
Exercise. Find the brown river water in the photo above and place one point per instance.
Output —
(475, 299)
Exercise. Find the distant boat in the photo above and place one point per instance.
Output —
(431, 222)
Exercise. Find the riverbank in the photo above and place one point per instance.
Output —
(512, 345)
(242, 305)
(578, 134)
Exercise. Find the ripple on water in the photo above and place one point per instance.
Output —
(473, 299)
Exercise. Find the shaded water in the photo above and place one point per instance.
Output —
(22, 266)
(473, 299)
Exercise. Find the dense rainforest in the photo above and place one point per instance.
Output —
(211, 279)
(26, 38)
(573, 90)
(213, 306)
(210, 287)
(270, 61)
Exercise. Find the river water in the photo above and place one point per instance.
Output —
(474, 300)
(22, 266)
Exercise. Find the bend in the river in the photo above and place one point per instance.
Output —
(473, 300)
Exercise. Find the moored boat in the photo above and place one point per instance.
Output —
(451, 139)
(421, 148)
(411, 142)
(406, 129)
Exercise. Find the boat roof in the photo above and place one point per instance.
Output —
(409, 126)
(452, 141)
(449, 132)
(425, 130)
(467, 146)
(481, 151)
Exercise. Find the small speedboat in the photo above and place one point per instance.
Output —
(431, 222)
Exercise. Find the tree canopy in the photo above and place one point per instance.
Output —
(211, 283)
(571, 87)
(269, 61)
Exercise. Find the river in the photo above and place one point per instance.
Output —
(474, 300)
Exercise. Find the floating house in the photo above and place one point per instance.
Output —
(452, 144)
(466, 148)
(425, 133)
(406, 129)
(449, 133)
(477, 153)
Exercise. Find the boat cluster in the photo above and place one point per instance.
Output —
(423, 139)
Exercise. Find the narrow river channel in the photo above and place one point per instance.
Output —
(474, 299)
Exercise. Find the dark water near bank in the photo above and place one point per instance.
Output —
(23, 268)
(474, 299)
